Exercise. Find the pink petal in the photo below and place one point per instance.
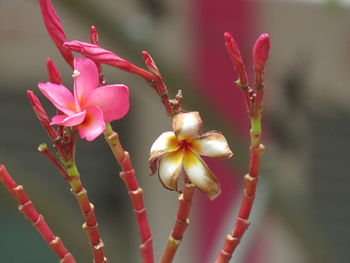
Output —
(113, 100)
(60, 96)
(86, 79)
(93, 124)
(65, 120)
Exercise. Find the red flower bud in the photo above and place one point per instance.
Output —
(97, 54)
(54, 75)
(151, 65)
(54, 28)
(94, 36)
(94, 40)
(236, 57)
(103, 56)
(233, 49)
(41, 114)
(260, 56)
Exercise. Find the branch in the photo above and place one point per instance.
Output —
(27, 208)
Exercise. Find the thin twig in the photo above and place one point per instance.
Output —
(72, 177)
(182, 221)
(135, 193)
(27, 208)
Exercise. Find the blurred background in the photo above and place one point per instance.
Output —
(301, 213)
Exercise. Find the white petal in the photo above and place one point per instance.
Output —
(169, 168)
(166, 142)
(187, 125)
(212, 144)
(200, 175)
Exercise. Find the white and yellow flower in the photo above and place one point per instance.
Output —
(179, 150)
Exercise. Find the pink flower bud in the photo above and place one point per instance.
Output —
(41, 114)
(159, 85)
(260, 55)
(94, 40)
(94, 36)
(97, 54)
(236, 57)
(54, 75)
(103, 56)
(151, 65)
(55, 29)
(233, 50)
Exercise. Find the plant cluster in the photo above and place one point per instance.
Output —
(175, 156)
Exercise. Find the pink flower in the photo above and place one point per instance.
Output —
(91, 106)
(179, 150)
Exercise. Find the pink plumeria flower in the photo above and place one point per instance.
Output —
(91, 106)
(179, 150)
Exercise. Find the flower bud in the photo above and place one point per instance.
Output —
(151, 65)
(94, 40)
(260, 56)
(54, 28)
(41, 114)
(54, 75)
(233, 49)
(236, 57)
(103, 56)
(97, 54)
(94, 36)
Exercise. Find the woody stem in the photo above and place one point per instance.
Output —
(181, 223)
(135, 193)
(27, 208)
(87, 209)
(251, 180)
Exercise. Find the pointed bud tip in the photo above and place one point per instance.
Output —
(265, 36)
(145, 54)
(262, 44)
(261, 50)
(94, 35)
(228, 36)
(31, 96)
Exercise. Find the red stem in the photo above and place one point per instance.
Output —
(27, 208)
(242, 221)
(135, 193)
(182, 221)
(253, 101)
(158, 83)
(90, 225)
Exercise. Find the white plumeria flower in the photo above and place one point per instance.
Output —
(180, 150)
